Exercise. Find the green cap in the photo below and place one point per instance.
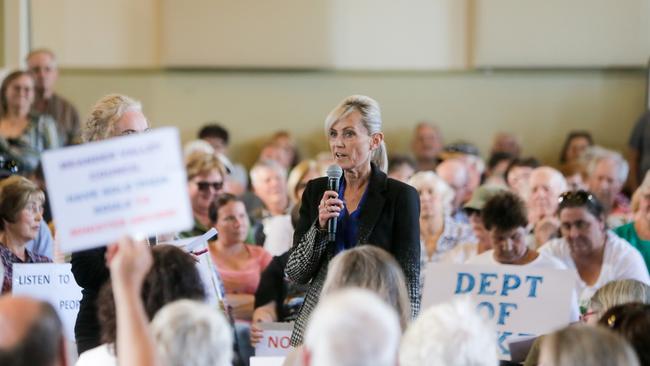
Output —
(483, 194)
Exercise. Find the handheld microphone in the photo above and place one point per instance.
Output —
(334, 173)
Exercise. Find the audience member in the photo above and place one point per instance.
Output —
(219, 138)
(575, 144)
(272, 222)
(496, 168)
(469, 154)
(546, 184)
(302, 173)
(191, 333)
(352, 327)
(507, 143)
(426, 145)
(112, 116)
(31, 333)
(285, 141)
(615, 293)
(597, 255)
(607, 173)
(451, 334)
(205, 178)
(275, 152)
(517, 175)
(21, 210)
(401, 168)
(172, 276)
(637, 232)
(584, 345)
(439, 233)
(576, 175)
(639, 149)
(455, 173)
(632, 322)
(42, 65)
(23, 135)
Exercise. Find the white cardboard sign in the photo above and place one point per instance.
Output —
(51, 282)
(518, 300)
(267, 361)
(131, 185)
(276, 339)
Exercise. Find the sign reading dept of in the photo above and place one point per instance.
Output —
(519, 301)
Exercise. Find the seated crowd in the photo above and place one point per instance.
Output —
(144, 302)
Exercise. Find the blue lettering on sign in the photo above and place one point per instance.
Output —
(488, 306)
(510, 282)
(501, 339)
(504, 311)
(486, 282)
(459, 283)
(533, 285)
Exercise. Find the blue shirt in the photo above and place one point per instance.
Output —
(348, 222)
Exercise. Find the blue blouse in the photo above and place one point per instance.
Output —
(348, 222)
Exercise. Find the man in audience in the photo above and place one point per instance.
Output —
(401, 168)
(31, 333)
(607, 173)
(352, 327)
(517, 175)
(546, 184)
(272, 221)
(426, 145)
(505, 142)
(42, 65)
(469, 155)
(455, 173)
(451, 334)
(219, 138)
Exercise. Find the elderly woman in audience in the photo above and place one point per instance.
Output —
(632, 322)
(615, 293)
(439, 233)
(205, 179)
(608, 171)
(112, 116)
(173, 276)
(597, 255)
(299, 176)
(637, 232)
(585, 345)
(23, 135)
(449, 334)
(21, 212)
(189, 332)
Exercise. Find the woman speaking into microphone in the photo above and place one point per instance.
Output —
(368, 207)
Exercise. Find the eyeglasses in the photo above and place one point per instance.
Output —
(576, 198)
(205, 186)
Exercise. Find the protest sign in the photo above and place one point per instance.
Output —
(130, 185)
(276, 339)
(518, 300)
(53, 283)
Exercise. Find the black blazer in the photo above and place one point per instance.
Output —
(389, 219)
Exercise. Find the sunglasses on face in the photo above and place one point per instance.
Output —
(205, 186)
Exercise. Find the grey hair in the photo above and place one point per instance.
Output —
(105, 113)
(587, 345)
(618, 293)
(353, 327)
(595, 154)
(429, 179)
(451, 333)
(370, 117)
(267, 164)
(189, 332)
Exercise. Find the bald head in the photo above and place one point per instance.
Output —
(30, 333)
(456, 174)
(546, 185)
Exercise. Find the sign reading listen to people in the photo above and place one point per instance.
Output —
(520, 301)
(131, 185)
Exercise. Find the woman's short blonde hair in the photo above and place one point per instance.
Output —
(296, 175)
(441, 190)
(105, 113)
(372, 268)
(617, 293)
(200, 162)
(15, 193)
(370, 117)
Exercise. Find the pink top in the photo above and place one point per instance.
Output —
(245, 280)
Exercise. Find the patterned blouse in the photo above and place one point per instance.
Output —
(40, 135)
(9, 258)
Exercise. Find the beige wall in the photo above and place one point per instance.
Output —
(539, 106)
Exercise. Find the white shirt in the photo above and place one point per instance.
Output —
(99, 356)
(279, 234)
(543, 260)
(620, 261)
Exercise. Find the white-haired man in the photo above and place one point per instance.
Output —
(42, 65)
(607, 173)
(546, 184)
(352, 327)
(451, 334)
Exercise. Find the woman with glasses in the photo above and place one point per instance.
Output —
(23, 135)
(596, 254)
(205, 176)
